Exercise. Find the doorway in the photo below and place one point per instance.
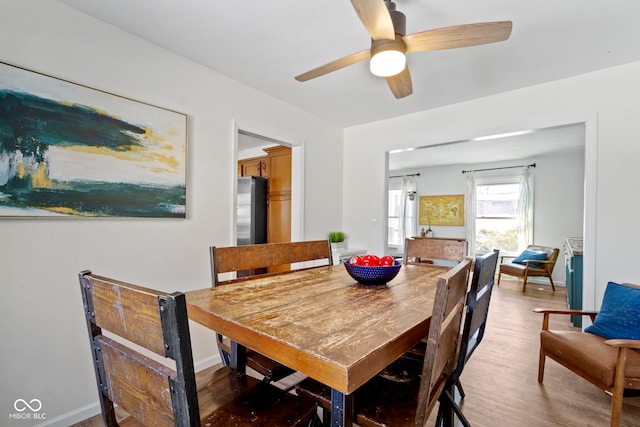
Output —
(515, 144)
(252, 145)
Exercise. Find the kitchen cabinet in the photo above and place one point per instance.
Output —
(254, 166)
(573, 267)
(279, 194)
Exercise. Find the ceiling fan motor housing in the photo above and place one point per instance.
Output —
(398, 18)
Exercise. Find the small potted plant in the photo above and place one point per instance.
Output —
(429, 231)
(337, 239)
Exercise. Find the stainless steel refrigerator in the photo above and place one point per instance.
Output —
(251, 210)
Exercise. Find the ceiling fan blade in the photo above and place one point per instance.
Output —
(334, 65)
(376, 18)
(400, 84)
(458, 36)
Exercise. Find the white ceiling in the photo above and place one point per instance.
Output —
(264, 44)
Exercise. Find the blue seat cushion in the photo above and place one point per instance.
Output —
(619, 316)
(530, 255)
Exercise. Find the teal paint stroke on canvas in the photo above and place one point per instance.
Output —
(86, 152)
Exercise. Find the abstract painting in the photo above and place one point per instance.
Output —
(442, 210)
(71, 150)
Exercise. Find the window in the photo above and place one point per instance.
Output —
(401, 216)
(497, 217)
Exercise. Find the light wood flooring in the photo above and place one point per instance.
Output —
(500, 379)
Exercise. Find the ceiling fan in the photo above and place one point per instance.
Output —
(389, 44)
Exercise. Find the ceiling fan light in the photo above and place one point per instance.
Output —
(387, 57)
(388, 63)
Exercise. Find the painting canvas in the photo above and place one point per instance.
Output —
(442, 210)
(70, 150)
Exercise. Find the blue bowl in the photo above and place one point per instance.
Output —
(373, 275)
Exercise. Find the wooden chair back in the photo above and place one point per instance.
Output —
(263, 256)
(478, 298)
(444, 338)
(482, 282)
(427, 250)
(150, 391)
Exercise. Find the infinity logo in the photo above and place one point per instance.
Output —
(21, 405)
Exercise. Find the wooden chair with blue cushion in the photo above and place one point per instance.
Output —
(160, 387)
(605, 353)
(535, 261)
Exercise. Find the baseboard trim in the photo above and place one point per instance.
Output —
(207, 363)
(75, 416)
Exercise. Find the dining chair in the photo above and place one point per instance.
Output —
(385, 402)
(381, 402)
(534, 261)
(251, 261)
(606, 353)
(417, 251)
(475, 322)
(160, 387)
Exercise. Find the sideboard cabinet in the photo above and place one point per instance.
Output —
(573, 267)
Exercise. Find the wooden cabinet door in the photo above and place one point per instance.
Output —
(255, 166)
(279, 194)
(280, 170)
(279, 219)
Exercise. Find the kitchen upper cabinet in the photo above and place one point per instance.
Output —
(254, 166)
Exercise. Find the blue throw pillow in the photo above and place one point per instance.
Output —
(619, 316)
(529, 255)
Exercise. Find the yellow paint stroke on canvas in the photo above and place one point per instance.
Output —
(39, 174)
(40, 178)
(130, 153)
(67, 211)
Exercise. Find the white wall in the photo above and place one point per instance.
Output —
(44, 349)
(558, 196)
(607, 101)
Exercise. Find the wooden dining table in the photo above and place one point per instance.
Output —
(323, 323)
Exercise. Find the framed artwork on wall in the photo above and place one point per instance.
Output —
(442, 210)
(68, 150)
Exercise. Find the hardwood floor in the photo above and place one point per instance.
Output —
(500, 379)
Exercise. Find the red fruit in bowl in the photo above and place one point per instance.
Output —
(356, 259)
(371, 260)
(387, 261)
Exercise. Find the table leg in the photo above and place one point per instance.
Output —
(341, 409)
(238, 357)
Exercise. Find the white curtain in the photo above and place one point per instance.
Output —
(402, 212)
(525, 210)
(403, 199)
(470, 214)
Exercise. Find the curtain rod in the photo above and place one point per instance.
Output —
(403, 176)
(532, 165)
